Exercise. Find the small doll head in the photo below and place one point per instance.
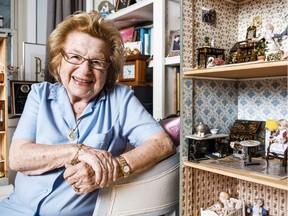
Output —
(259, 202)
(217, 206)
(282, 124)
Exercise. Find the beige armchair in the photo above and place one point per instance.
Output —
(151, 193)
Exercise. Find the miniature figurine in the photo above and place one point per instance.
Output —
(257, 209)
(272, 45)
(224, 206)
(210, 62)
(224, 198)
(280, 138)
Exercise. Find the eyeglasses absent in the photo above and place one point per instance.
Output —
(76, 59)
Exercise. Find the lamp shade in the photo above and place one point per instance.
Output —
(271, 125)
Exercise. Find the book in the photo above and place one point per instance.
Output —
(147, 43)
(142, 32)
(2, 115)
(127, 34)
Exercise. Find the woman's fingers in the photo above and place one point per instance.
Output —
(97, 168)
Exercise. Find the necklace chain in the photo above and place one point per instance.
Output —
(72, 135)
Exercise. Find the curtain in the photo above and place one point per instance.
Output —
(57, 10)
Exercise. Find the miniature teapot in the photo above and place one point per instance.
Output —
(202, 128)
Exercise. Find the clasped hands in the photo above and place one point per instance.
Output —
(94, 169)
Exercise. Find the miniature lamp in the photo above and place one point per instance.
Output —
(271, 125)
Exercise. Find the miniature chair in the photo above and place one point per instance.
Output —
(151, 193)
(276, 150)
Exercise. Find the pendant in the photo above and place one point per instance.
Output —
(72, 136)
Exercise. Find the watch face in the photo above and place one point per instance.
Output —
(129, 71)
(126, 169)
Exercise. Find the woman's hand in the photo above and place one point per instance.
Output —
(96, 169)
(81, 177)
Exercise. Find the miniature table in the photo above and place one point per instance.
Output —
(250, 144)
(208, 51)
(195, 144)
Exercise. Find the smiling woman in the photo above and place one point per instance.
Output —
(72, 134)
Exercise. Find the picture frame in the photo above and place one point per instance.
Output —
(19, 93)
(251, 32)
(174, 43)
(104, 6)
(34, 61)
(208, 16)
(120, 4)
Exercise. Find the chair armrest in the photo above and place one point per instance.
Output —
(152, 192)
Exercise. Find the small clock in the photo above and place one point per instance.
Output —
(129, 71)
(134, 71)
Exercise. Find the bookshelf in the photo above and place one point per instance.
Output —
(155, 11)
(3, 112)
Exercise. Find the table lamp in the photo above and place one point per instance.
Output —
(271, 125)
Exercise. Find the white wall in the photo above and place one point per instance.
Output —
(29, 22)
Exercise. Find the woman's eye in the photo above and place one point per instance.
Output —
(96, 62)
(76, 57)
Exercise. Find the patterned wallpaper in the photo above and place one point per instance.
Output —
(206, 99)
(220, 102)
(263, 99)
(232, 21)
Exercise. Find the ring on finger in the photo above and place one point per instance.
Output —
(76, 189)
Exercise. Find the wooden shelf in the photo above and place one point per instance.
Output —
(172, 61)
(240, 174)
(137, 13)
(242, 70)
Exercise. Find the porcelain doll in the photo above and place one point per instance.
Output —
(280, 138)
(257, 209)
(272, 44)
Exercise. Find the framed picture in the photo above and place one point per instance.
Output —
(107, 6)
(174, 43)
(123, 4)
(209, 16)
(251, 32)
(19, 92)
(34, 61)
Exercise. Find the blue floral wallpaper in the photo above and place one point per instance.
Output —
(219, 103)
(263, 99)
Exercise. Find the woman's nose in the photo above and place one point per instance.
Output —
(85, 68)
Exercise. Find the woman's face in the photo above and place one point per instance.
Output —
(83, 82)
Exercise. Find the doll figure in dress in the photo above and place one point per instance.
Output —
(272, 44)
(279, 139)
(257, 209)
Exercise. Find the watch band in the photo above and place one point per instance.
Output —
(124, 166)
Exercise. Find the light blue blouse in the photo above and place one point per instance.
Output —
(108, 122)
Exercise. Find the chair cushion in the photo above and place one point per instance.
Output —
(172, 127)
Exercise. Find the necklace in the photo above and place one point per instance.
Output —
(72, 135)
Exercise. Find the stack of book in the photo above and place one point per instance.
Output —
(138, 37)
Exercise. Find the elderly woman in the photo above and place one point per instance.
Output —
(71, 137)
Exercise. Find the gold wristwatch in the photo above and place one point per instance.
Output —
(124, 166)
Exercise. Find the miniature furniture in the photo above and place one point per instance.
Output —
(246, 130)
(272, 126)
(250, 145)
(153, 192)
(209, 51)
(247, 52)
(198, 146)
